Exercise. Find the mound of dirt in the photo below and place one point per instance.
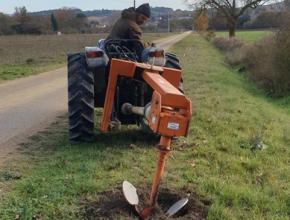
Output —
(112, 205)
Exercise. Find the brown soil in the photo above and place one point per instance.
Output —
(112, 205)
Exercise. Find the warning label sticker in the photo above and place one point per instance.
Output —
(173, 126)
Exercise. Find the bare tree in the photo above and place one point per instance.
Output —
(231, 9)
(201, 21)
(5, 24)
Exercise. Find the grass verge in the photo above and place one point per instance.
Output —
(10, 72)
(236, 155)
(248, 36)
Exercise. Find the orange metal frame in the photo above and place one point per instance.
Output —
(170, 109)
(170, 112)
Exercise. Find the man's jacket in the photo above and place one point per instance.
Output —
(126, 27)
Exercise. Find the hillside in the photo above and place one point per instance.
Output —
(161, 11)
(182, 19)
(105, 18)
(156, 11)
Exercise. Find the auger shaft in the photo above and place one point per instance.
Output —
(164, 149)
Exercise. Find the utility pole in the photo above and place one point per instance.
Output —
(168, 25)
(287, 4)
(134, 3)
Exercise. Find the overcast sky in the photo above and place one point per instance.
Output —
(7, 6)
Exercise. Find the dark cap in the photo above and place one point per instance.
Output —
(144, 9)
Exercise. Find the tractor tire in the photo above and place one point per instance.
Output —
(80, 99)
(173, 62)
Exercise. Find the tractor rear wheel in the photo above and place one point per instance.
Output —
(173, 62)
(80, 99)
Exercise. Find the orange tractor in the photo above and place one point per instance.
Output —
(133, 85)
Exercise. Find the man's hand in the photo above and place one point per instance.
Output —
(147, 44)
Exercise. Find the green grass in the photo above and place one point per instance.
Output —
(27, 55)
(236, 155)
(150, 37)
(10, 72)
(249, 36)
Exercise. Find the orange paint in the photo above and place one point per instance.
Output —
(118, 68)
(170, 112)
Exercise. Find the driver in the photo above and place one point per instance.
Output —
(128, 26)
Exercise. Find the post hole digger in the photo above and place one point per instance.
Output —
(133, 85)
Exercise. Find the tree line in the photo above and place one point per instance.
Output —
(224, 14)
(63, 20)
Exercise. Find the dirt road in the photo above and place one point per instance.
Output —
(30, 104)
